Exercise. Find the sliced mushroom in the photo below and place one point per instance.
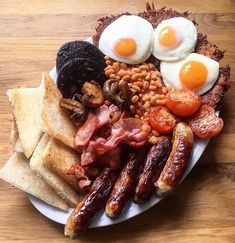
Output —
(117, 91)
(78, 113)
(92, 95)
(110, 89)
(125, 92)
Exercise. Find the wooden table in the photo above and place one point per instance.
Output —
(202, 208)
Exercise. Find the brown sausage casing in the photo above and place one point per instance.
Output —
(91, 203)
(178, 159)
(125, 185)
(153, 166)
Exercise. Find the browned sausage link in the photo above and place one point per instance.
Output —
(125, 185)
(153, 166)
(90, 203)
(178, 159)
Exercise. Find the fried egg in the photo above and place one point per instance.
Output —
(174, 39)
(196, 72)
(128, 39)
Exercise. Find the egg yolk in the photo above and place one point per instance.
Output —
(193, 74)
(167, 37)
(125, 47)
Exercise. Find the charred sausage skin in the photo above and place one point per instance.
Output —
(125, 185)
(178, 159)
(153, 166)
(91, 203)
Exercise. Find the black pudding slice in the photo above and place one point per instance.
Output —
(74, 73)
(79, 49)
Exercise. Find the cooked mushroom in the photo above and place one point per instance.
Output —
(78, 113)
(125, 92)
(110, 89)
(117, 91)
(92, 95)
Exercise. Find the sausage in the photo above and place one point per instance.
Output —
(178, 159)
(91, 203)
(124, 187)
(153, 166)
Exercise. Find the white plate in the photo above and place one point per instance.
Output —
(131, 210)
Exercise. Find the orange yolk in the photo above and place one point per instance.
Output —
(193, 74)
(167, 37)
(125, 47)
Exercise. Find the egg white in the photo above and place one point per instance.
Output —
(184, 28)
(171, 72)
(128, 26)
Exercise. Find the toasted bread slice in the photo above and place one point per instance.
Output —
(60, 157)
(26, 108)
(61, 187)
(18, 173)
(56, 121)
(14, 135)
(15, 140)
(18, 147)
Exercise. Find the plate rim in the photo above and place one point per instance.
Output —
(60, 216)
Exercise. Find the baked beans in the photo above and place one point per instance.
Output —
(146, 82)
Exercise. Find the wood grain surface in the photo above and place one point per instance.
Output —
(202, 209)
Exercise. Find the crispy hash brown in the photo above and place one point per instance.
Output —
(213, 97)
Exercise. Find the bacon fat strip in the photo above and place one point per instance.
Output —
(91, 203)
(154, 163)
(125, 185)
(178, 159)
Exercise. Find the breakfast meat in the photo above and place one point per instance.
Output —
(178, 159)
(130, 131)
(215, 96)
(91, 203)
(153, 165)
(139, 88)
(125, 185)
(80, 175)
(79, 49)
(91, 144)
(74, 73)
(93, 122)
